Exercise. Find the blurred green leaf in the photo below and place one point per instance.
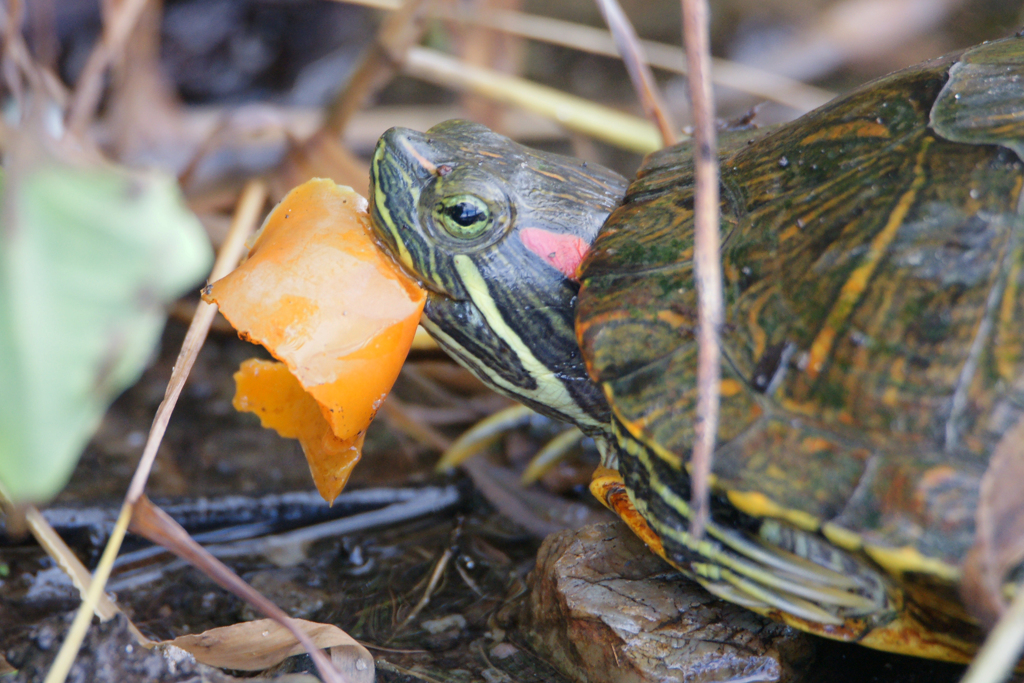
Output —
(88, 260)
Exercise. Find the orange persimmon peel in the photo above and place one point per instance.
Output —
(327, 302)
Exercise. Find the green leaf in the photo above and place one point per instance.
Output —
(88, 260)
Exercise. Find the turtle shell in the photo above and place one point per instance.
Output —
(873, 349)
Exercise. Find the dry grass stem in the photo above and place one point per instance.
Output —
(534, 511)
(250, 205)
(400, 419)
(488, 48)
(707, 266)
(244, 222)
(385, 665)
(575, 113)
(741, 77)
(744, 78)
(16, 57)
(468, 580)
(550, 455)
(999, 655)
(66, 559)
(484, 433)
(435, 579)
(61, 666)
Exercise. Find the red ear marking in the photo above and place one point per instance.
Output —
(563, 252)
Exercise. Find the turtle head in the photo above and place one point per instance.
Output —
(495, 231)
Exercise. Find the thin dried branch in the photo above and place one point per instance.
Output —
(632, 53)
(384, 665)
(764, 84)
(398, 417)
(89, 89)
(491, 49)
(61, 666)
(152, 523)
(435, 578)
(707, 268)
(42, 28)
(483, 434)
(17, 60)
(550, 455)
(538, 512)
(323, 154)
(142, 112)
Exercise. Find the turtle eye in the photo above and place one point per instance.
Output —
(463, 216)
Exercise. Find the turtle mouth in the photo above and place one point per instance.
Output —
(437, 295)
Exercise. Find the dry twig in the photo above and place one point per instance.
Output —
(89, 89)
(707, 269)
(632, 53)
(156, 525)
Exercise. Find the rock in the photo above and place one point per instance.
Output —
(602, 608)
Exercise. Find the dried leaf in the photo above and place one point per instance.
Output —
(257, 645)
(150, 522)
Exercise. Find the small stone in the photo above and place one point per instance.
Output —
(452, 622)
(602, 608)
(496, 676)
(504, 650)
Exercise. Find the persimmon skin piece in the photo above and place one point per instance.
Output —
(269, 390)
(324, 299)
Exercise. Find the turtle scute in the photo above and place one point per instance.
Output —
(873, 260)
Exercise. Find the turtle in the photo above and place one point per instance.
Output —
(872, 349)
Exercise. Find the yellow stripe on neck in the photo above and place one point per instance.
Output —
(550, 391)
